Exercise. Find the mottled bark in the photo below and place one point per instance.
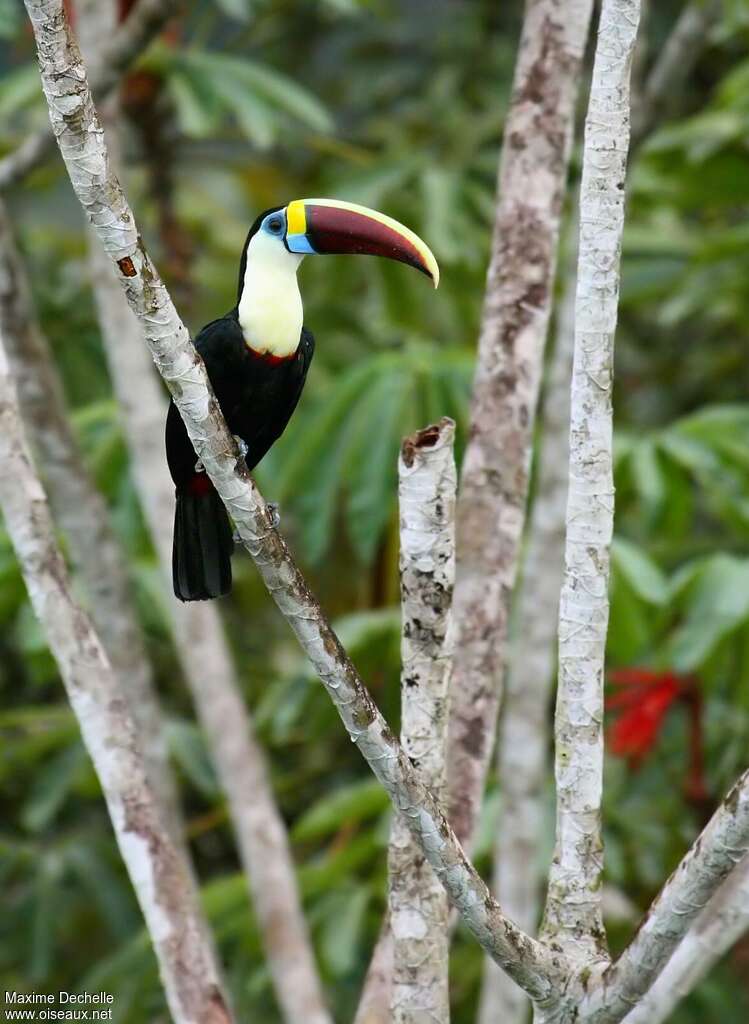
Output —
(158, 871)
(721, 924)
(494, 476)
(541, 971)
(417, 900)
(80, 511)
(524, 733)
(113, 59)
(573, 906)
(199, 636)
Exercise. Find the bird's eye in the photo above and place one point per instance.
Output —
(275, 224)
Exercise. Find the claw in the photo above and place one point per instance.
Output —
(242, 445)
(275, 514)
(199, 467)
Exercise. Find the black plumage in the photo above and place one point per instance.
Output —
(257, 394)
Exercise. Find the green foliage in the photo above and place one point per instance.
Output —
(206, 86)
(10, 18)
(400, 107)
(346, 444)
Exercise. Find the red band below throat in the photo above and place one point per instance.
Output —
(199, 485)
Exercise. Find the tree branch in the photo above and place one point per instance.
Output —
(524, 741)
(418, 903)
(158, 871)
(82, 514)
(200, 641)
(539, 970)
(722, 923)
(114, 58)
(722, 844)
(494, 477)
(573, 906)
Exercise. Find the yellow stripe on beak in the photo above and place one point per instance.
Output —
(296, 218)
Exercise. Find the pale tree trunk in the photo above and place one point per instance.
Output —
(81, 513)
(565, 988)
(494, 476)
(198, 632)
(723, 922)
(158, 870)
(418, 907)
(524, 734)
(115, 56)
(573, 907)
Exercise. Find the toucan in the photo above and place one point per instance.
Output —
(257, 357)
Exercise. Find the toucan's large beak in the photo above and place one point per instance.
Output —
(330, 226)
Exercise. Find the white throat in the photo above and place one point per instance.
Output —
(270, 306)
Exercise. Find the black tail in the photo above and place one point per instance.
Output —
(201, 554)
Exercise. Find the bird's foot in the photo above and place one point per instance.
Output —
(275, 514)
(199, 467)
(242, 445)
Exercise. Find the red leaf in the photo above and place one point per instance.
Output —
(643, 700)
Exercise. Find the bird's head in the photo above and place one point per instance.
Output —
(323, 227)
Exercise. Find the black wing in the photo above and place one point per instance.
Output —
(288, 383)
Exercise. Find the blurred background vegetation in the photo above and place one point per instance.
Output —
(244, 104)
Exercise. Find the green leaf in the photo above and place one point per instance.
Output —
(10, 19)
(196, 106)
(254, 93)
(45, 916)
(716, 602)
(647, 477)
(643, 575)
(105, 888)
(187, 746)
(52, 786)
(343, 928)
(373, 471)
(346, 805)
(19, 88)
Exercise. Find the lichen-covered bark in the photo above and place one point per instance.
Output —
(573, 906)
(722, 845)
(199, 636)
(524, 733)
(494, 476)
(418, 902)
(722, 923)
(158, 871)
(540, 971)
(81, 513)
